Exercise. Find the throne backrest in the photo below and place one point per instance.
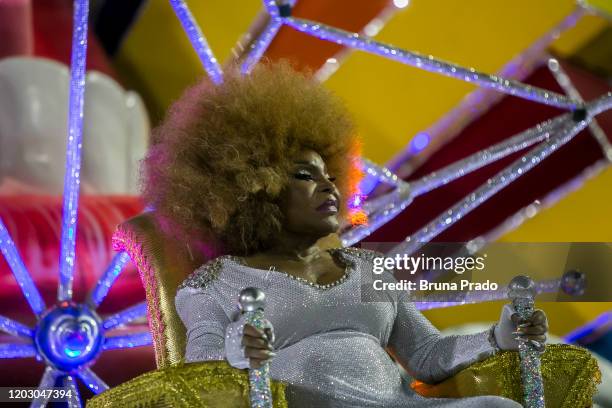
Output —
(163, 263)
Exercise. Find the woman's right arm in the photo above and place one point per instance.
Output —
(212, 336)
(205, 321)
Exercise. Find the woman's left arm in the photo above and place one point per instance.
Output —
(426, 354)
(430, 357)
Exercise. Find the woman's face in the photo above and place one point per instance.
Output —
(310, 201)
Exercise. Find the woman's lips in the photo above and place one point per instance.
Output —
(328, 207)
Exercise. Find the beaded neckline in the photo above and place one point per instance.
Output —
(333, 251)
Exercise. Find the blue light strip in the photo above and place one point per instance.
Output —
(127, 341)
(198, 41)
(429, 63)
(516, 143)
(601, 321)
(92, 381)
(11, 254)
(261, 44)
(125, 316)
(384, 208)
(499, 181)
(47, 381)
(12, 350)
(74, 400)
(72, 178)
(104, 284)
(10, 326)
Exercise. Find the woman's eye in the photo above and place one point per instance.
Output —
(303, 176)
(332, 179)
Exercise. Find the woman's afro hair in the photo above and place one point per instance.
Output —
(222, 155)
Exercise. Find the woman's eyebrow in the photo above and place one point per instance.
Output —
(309, 164)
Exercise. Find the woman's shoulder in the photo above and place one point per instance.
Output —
(202, 277)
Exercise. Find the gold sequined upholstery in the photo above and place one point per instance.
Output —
(163, 264)
(210, 384)
(570, 376)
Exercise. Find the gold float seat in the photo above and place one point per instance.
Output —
(570, 375)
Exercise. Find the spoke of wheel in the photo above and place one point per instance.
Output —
(125, 316)
(73, 400)
(17, 350)
(13, 259)
(127, 341)
(72, 177)
(99, 292)
(47, 381)
(429, 63)
(91, 380)
(14, 328)
(198, 41)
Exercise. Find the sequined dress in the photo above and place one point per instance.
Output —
(331, 339)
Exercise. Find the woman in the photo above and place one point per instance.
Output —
(262, 165)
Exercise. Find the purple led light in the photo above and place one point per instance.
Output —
(420, 141)
(374, 174)
(198, 41)
(604, 320)
(479, 101)
(15, 328)
(429, 63)
(72, 178)
(28, 288)
(92, 381)
(356, 201)
(47, 381)
(101, 289)
(388, 200)
(391, 205)
(485, 191)
(74, 400)
(503, 178)
(259, 46)
(483, 157)
(128, 341)
(125, 316)
(14, 350)
(566, 84)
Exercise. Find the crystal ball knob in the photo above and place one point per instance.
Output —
(521, 287)
(573, 282)
(252, 299)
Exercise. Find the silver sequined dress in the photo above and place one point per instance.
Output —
(330, 342)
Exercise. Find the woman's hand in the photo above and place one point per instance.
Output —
(247, 346)
(257, 345)
(511, 329)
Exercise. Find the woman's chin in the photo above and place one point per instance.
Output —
(330, 224)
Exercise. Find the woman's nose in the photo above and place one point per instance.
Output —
(328, 186)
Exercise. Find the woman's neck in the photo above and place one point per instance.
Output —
(291, 246)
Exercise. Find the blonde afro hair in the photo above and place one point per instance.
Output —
(221, 157)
